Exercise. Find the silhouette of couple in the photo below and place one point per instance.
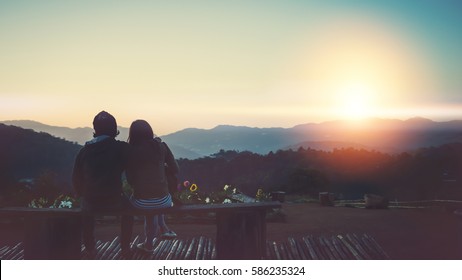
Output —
(97, 179)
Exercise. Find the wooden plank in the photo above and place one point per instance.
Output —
(3, 249)
(206, 249)
(283, 251)
(13, 250)
(138, 255)
(276, 251)
(176, 250)
(339, 249)
(135, 241)
(303, 250)
(333, 255)
(369, 248)
(172, 251)
(101, 250)
(350, 248)
(166, 250)
(182, 255)
(306, 252)
(210, 248)
(132, 247)
(114, 252)
(179, 250)
(293, 248)
(325, 249)
(286, 248)
(19, 255)
(156, 248)
(346, 249)
(318, 249)
(190, 250)
(359, 247)
(310, 248)
(6, 255)
(200, 248)
(184, 251)
(157, 252)
(319, 253)
(214, 253)
(371, 241)
(106, 255)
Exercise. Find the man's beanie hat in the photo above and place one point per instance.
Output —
(105, 124)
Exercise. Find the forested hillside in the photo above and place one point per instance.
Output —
(32, 161)
(28, 157)
(428, 173)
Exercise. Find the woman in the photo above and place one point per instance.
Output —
(149, 157)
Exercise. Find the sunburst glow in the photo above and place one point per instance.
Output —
(356, 101)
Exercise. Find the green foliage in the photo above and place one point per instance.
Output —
(18, 194)
(40, 202)
(61, 201)
(348, 172)
(127, 188)
(307, 181)
(66, 201)
(192, 194)
(46, 186)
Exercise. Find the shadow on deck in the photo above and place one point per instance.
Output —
(337, 247)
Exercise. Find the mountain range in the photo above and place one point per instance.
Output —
(385, 135)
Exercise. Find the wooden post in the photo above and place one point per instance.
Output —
(241, 235)
(52, 238)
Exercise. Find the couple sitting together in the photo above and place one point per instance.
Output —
(97, 179)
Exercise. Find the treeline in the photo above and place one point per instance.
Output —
(32, 163)
(428, 173)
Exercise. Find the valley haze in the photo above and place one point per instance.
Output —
(384, 135)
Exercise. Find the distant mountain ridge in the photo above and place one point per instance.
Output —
(79, 135)
(386, 135)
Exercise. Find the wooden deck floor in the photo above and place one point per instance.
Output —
(336, 247)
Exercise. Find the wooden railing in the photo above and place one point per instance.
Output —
(55, 233)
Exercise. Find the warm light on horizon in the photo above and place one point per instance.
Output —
(356, 101)
(359, 67)
(292, 62)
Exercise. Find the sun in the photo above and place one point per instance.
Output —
(356, 100)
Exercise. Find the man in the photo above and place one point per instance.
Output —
(97, 179)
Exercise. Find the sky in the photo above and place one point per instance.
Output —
(180, 64)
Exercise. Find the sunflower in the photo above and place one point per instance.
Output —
(193, 188)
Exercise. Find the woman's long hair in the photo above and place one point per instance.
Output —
(140, 131)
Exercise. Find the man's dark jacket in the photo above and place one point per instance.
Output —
(98, 168)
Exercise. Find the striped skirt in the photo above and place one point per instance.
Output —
(152, 203)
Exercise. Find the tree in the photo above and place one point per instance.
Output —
(307, 181)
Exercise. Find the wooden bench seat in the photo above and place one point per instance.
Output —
(55, 233)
